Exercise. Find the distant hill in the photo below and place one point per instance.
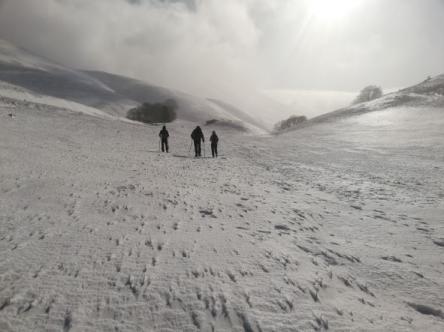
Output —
(190, 107)
(429, 93)
(430, 87)
(107, 92)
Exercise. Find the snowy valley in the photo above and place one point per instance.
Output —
(337, 225)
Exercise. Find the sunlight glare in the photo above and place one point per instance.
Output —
(332, 10)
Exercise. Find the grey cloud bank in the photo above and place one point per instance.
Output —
(218, 48)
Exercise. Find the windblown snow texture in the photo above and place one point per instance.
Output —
(336, 226)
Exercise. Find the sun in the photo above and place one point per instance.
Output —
(332, 10)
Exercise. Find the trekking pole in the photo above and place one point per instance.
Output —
(204, 149)
(191, 144)
(159, 144)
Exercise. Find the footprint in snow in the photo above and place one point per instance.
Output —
(391, 259)
(426, 310)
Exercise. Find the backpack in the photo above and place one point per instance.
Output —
(164, 134)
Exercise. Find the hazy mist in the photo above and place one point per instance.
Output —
(217, 48)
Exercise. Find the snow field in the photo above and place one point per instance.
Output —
(324, 228)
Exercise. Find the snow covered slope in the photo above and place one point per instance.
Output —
(337, 226)
(43, 77)
(191, 108)
(334, 227)
(110, 93)
(14, 95)
(428, 94)
(431, 87)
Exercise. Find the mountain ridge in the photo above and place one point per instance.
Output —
(111, 93)
(427, 93)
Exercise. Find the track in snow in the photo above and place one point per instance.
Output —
(320, 229)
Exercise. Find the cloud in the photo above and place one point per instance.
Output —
(177, 44)
(216, 48)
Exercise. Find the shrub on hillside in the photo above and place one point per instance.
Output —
(236, 125)
(290, 122)
(370, 92)
(154, 113)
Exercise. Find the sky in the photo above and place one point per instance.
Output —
(230, 47)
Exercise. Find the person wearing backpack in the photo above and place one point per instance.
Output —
(197, 136)
(164, 139)
(214, 140)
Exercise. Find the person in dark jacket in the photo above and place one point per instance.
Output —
(214, 140)
(197, 137)
(164, 138)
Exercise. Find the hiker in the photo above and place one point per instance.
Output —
(214, 139)
(164, 139)
(197, 136)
